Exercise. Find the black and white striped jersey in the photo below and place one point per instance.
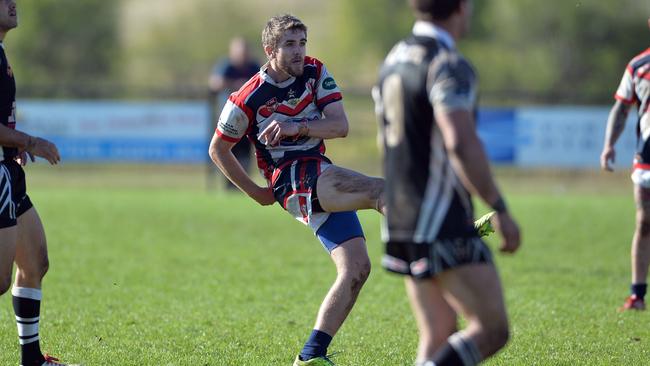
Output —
(7, 101)
(425, 199)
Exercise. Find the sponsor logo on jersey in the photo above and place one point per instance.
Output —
(291, 98)
(329, 84)
(269, 107)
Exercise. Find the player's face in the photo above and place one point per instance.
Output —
(8, 15)
(290, 55)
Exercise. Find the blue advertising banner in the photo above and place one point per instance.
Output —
(120, 131)
(178, 132)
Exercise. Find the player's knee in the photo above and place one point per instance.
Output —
(358, 274)
(376, 188)
(364, 270)
(643, 223)
(35, 270)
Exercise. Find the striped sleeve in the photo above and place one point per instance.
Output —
(327, 91)
(234, 120)
(452, 84)
(625, 91)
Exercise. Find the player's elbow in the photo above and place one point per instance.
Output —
(461, 144)
(455, 147)
(213, 152)
(343, 128)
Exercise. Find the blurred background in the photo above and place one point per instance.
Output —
(126, 81)
(150, 268)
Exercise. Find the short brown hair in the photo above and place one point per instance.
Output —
(277, 25)
(436, 9)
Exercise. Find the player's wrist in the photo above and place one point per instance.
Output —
(31, 144)
(303, 129)
(499, 205)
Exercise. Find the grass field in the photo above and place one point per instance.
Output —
(149, 269)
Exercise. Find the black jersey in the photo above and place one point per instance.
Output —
(425, 199)
(7, 101)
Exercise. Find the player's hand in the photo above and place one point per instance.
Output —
(277, 131)
(606, 157)
(263, 196)
(44, 149)
(507, 227)
(23, 157)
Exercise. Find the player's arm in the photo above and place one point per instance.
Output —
(333, 125)
(615, 126)
(34, 146)
(216, 83)
(467, 155)
(222, 156)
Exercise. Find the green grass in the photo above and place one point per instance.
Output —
(148, 269)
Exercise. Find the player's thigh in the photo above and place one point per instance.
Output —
(475, 291)
(31, 250)
(433, 314)
(341, 189)
(351, 257)
(8, 239)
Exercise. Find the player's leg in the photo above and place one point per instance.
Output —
(353, 267)
(341, 189)
(640, 252)
(475, 292)
(8, 237)
(436, 320)
(32, 264)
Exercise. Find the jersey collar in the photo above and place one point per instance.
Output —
(428, 29)
(270, 80)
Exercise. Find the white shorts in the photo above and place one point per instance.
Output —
(641, 175)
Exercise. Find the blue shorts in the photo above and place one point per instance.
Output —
(339, 228)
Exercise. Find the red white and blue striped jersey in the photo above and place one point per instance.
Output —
(262, 100)
(635, 89)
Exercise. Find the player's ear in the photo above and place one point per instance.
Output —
(270, 52)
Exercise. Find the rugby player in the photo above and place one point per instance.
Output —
(287, 110)
(22, 238)
(634, 89)
(433, 161)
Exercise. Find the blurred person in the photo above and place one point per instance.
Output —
(634, 89)
(433, 162)
(22, 237)
(228, 75)
(287, 110)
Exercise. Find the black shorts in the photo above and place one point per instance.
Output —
(422, 260)
(13, 193)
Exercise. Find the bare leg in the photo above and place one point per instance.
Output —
(475, 292)
(435, 318)
(31, 251)
(341, 189)
(32, 263)
(353, 267)
(641, 240)
(8, 238)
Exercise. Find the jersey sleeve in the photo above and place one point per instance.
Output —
(625, 92)
(452, 84)
(234, 120)
(327, 91)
